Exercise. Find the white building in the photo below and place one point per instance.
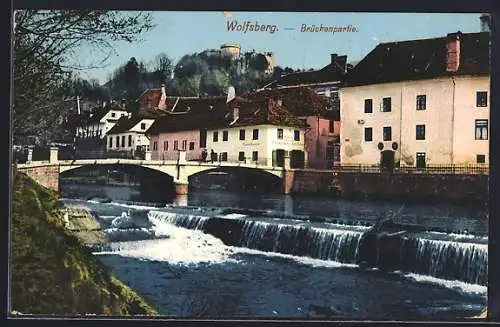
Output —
(128, 134)
(418, 103)
(97, 123)
(262, 133)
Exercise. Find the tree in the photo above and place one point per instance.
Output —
(162, 68)
(45, 42)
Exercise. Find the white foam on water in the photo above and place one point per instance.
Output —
(234, 216)
(460, 286)
(107, 217)
(459, 237)
(133, 206)
(183, 247)
(129, 230)
(302, 260)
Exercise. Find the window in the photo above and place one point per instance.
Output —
(184, 145)
(191, 145)
(296, 135)
(481, 129)
(368, 106)
(482, 99)
(123, 141)
(225, 135)
(216, 136)
(113, 114)
(242, 134)
(255, 156)
(100, 132)
(143, 125)
(386, 105)
(280, 133)
(368, 134)
(110, 142)
(223, 156)
(241, 156)
(421, 100)
(176, 145)
(387, 133)
(255, 134)
(420, 132)
(117, 141)
(155, 146)
(165, 145)
(130, 140)
(331, 126)
(480, 158)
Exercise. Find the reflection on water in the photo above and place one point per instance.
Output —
(448, 217)
(181, 200)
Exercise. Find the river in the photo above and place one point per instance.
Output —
(291, 257)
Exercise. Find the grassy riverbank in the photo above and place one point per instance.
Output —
(52, 270)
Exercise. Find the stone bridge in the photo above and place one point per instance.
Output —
(47, 173)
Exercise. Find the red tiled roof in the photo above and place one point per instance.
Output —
(301, 101)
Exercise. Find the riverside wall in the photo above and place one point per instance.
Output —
(391, 186)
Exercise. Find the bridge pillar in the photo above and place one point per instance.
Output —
(181, 188)
(288, 181)
(288, 175)
(53, 157)
(30, 153)
(147, 155)
(286, 164)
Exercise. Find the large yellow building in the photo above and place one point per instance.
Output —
(419, 103)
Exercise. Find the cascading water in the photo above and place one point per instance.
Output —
(325, 244)
(188, 221)
(438, 258)
(451, 260)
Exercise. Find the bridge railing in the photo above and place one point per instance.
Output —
(429, 169)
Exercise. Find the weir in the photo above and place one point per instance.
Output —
(405, 252)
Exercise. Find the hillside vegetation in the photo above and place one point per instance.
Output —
(52, 271)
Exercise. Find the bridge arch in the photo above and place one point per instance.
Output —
(119, 166)
(237, 178)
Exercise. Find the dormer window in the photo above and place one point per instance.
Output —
(113, 114)
(143, 126)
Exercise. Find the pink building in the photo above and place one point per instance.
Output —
(165, 145)
(184, 130)
(322, 142)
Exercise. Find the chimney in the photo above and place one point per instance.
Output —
(163, 98)
(485, 22)
(342, 63)
(236, 113)
(453, 51)
(78, 103)
(333, 58)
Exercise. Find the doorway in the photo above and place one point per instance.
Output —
(278, 158)
(387, 161)
(297, 159)
(421, 160)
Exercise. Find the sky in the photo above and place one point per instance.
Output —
(179, 33)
